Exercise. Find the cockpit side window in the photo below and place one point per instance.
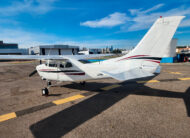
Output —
(68, 65)
(52, 65)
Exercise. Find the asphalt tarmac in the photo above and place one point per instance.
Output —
(150, 107)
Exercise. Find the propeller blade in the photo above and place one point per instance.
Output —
(32, 73)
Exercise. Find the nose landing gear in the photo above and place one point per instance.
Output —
(45, 91)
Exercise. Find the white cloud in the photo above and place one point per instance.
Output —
(156, 7)
(140, 19)
(143, 19)
(4, 21)
(111, 20)
(30, 6)
(140, 11)
(26, 39)
(185, 23)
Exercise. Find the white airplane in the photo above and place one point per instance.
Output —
(142, 61)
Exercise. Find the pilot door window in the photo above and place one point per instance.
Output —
(52, 65)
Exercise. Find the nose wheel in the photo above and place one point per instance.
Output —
(45, 92)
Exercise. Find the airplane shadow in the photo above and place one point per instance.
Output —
(61, 123)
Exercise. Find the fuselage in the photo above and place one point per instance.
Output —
(68, 71)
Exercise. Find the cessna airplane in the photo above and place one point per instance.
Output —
(142, 61)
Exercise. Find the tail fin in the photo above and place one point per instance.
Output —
(157, 39)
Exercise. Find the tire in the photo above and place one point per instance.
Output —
(45, 92)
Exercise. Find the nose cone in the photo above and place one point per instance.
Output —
(39, 69)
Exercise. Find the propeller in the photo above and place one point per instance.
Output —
(35, 71)
(32, 73)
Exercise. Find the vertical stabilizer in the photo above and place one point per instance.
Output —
(157, 39)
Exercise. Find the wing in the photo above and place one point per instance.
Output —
(46, 57)
(128, 75)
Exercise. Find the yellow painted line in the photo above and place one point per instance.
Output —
(150, 81)
(110, 87)
(17, 62)
(184, 78)
(175, 72)
(69, 99)
(7, 116)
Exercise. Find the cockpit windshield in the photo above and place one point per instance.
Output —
(51, 63)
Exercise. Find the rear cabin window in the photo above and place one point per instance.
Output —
(68, 65)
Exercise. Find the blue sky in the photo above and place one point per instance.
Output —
(87, 23)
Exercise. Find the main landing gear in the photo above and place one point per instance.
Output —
(45, 91)
(83, 83)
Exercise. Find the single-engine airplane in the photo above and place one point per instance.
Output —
(142, 61)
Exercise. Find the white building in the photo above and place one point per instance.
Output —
(54, 50)
(84, 52)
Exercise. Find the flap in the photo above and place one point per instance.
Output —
(129, 74)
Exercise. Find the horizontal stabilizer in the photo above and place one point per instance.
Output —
(129, 74)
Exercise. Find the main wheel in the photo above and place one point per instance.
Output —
(45, 92)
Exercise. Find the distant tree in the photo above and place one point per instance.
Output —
(117, 51)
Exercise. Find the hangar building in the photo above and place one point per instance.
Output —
(54, 50)
(11, 49)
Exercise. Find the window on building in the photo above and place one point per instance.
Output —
(43, 51)
(59, 51)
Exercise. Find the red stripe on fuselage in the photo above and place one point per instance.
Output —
(47, 70)
(133, 57)
(154, 61)
(82, 73)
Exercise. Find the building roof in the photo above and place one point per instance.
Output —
(183, 46)
(8, 45)
(57, 46)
